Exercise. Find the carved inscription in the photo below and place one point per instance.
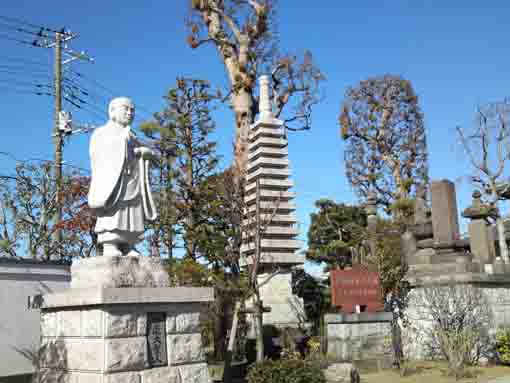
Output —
(156, 339)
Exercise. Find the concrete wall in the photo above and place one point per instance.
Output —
(19, 326)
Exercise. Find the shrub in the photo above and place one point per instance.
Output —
(286, 371)
(457, 346)
(503, 345)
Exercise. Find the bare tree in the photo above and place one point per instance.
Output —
(487, 147)
(244, 34)
(455, 320)
(386, 151)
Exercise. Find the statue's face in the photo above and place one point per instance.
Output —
(123, 113)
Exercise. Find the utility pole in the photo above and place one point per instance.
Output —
(59, 43)
(58, 139)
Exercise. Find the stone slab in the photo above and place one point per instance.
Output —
(359, 318)
(445, 221)
(127, 295)
(458, 278)
(119, 271)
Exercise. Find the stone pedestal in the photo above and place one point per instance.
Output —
(119, 323)
(128, 335)
(495, 299)
(363, 339)
(286, 308)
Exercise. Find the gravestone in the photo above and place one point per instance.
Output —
(445, 221)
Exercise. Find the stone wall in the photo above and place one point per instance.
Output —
(19, 328)
(136, 342)
(363, 338)
(495, 299)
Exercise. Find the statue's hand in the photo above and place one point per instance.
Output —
(145, 153)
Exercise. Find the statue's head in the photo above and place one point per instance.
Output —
(121, 110)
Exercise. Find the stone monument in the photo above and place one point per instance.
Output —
(268, 178)
(441, 259)
(119, 321)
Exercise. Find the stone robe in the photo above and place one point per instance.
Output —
(119, 191)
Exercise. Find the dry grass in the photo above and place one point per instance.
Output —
(435, 372)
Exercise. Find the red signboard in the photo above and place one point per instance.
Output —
(356, 286)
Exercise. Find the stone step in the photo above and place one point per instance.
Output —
(271, 184)
(277, 244)
(272, 142)
(289, 258)
(277, 218)
(267, 152)
(444, 268)
(273, 232)
(266, 195)
(270, 162)
(280, 207)
(275, 173)
(265, 131)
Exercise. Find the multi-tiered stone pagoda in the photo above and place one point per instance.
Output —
(268, 183)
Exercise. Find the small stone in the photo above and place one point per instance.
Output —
(121, 324)
(160, 375)
(49, 324)
(126, 354)
(194, 373)
(185, 348)
(69, 323)
(92, 323)
(342, 373)
(122, 377)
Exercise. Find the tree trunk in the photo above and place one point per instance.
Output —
(259, 329)
(503, 249)
(242, 103)
(227, 369)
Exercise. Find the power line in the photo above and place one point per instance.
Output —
(14, 158)
(21, 72)
(24, 61)
(109, 91)
(40, 33)
(26, 42)
(25, 91)
(28, 24)
(24, 83)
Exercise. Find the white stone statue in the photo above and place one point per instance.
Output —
(120, 192)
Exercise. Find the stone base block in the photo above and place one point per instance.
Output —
(119, 271)
(342, 373)
(125, 335)
(358, 337)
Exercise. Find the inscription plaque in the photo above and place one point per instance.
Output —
(357, 286)
(156, 339)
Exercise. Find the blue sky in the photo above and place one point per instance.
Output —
(455, 53)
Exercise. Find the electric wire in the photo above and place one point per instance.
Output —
(109, 91)
(24, 91)
(11, 19)
(26, 42)
(24, 61)
(24, 83)
(23, 30)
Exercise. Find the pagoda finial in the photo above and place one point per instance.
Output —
(264, 100)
